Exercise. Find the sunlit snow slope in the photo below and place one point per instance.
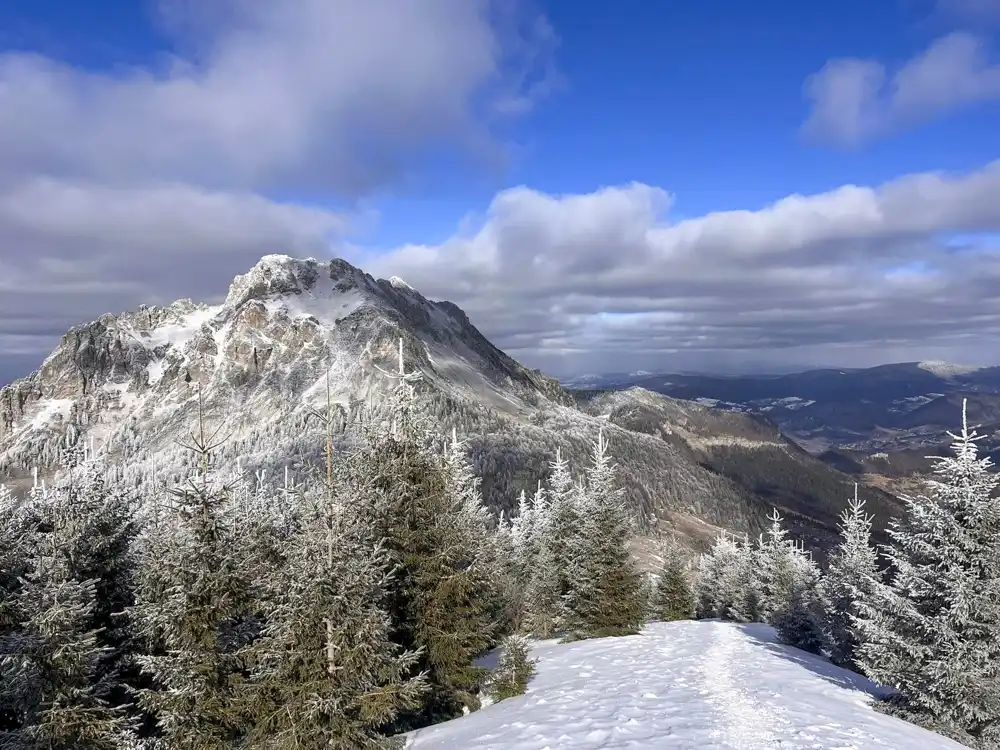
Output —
(694, 685)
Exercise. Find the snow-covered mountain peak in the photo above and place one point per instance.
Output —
(262, 357)
(273, 275)
(398, 283)
(259, 365)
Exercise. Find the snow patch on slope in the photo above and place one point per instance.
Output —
(398, 283)
(327, 307)
(177, 333)
(947, 370)
(708, 685)
(57, 407)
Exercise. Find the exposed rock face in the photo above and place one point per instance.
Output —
(257, 365)
(284, 325)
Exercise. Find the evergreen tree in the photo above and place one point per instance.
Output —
(743, 580)
(442, 598)
(798, 622)
(543, 613)
(478, 531)
(707, 569)
(194, 596)
(514, 669)
(605, 596)
(15, 558)
(789, 585)
(562, 531)
(63, 659)
(716, 591)
(673, 595)
(778, 568)
(517, 538)
(537, 570)
(327, 673)
(933, 632)
(849, 579)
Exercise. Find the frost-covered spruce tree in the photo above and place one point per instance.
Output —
(798, 621)
(743, 578)
(326, 672)
(789, 585)
(194, 595)
(933, 632)
(710, 600)
(562, 531)
(536, 571)
(266, 515)
(850, 578)
(673, 592)
(478, 530)
(778, 567)
(720, 577)
(514, 669)
(65, 664)
(606, 591)
(442, 598)
(15, 559)
(543, 599)
(516, 536)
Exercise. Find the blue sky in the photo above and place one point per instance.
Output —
(705, 106)
(702, 98)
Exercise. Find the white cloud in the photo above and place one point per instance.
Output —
(143, 186)
(854, 100)
(70, 252)
(605, 280)
(147, 184)
(608, 277)
(330, 93)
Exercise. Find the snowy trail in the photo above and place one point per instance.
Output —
(683, 686)
(746, 722)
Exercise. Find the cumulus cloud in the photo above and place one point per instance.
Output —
(334, 94)
(72, 251)
(855, 100)
(606, 281)
(147, 184)
(601, 281)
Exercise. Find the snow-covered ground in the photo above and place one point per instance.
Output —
(704, 685)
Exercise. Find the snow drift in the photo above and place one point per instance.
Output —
(704, 685)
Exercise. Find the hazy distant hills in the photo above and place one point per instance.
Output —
(879, 420)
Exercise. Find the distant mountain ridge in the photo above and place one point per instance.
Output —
(903, 411)
(259, 364)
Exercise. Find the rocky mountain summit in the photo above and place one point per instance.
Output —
(259, 364)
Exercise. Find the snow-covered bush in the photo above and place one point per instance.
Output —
(514, 669)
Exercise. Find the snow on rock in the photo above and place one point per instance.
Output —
(398, 283)
(947, 370)
(705, 685)
(52, 409)
(257, 364)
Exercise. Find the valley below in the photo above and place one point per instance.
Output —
(883, 424)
